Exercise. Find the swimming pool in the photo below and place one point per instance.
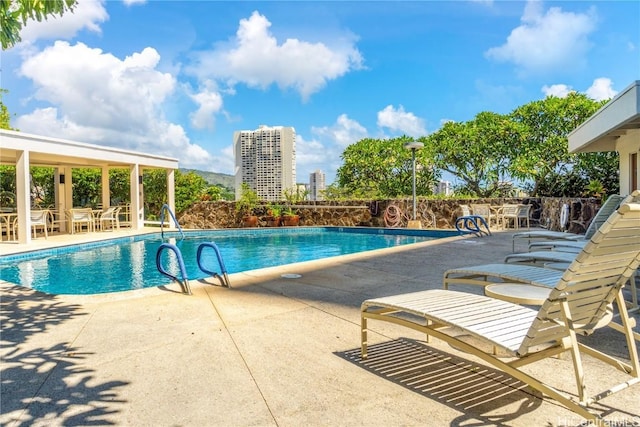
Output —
(129, 263)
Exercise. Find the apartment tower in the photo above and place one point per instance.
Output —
(316, 185)
(265, 160)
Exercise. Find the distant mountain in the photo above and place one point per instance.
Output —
(213, 178)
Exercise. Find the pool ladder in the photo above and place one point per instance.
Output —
(471, 224)
(184, 280)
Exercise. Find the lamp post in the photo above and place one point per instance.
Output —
(413, 146)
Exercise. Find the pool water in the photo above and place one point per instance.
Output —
(130, 263)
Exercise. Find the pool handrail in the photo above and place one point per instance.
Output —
(164, 208)
(470, 224)
(184, 283)
(223, 277)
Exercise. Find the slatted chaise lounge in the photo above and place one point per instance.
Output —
(607, 208)
(577, 304)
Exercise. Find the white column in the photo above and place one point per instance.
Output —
(106, 192)
(60, 195)
(171, 193)
(23, 197)
(136, 197)
(68, 188)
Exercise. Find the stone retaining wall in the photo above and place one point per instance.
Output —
(433, 213)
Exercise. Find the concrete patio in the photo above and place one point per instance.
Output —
(273, 351)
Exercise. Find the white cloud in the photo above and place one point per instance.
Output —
(344, 132)
(323, 151)
(550, 41)
(601, 89)
(88, 14)
(399, 120)
(133, 2)
(256, 58)
(102, 99)
(209, 102)
(314, 154)
(559, 90)
(226, 162)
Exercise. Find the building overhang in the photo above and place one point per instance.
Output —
(618, 117)
(46, 151)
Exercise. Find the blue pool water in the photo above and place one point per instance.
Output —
(129, 263)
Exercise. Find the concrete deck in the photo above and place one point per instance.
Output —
(273, 352)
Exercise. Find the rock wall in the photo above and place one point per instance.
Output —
(432, 213)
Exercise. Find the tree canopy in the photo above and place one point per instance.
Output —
(383, 168)
(476, 152)
(14, 15)
(486, 154)
(541, 151)
(5, 116)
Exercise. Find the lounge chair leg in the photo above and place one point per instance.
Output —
(363, 336)
(629, 334)
(575, 352)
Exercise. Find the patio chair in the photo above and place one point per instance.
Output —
(79, 218)
(109, 217)
(484, 210)
(579, 303)
(607, 208)
(516, 214)
(38, 218)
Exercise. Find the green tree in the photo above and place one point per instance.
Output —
(14, 14)
(540, 153)
(87, 187)
(5, 117)
(375, 168)
(248, 200)
(603, 167)
(335, 192)
(189, 188)
(119, 186)
(42, 187)
(216, 192)
(7, 173)
(476, 152)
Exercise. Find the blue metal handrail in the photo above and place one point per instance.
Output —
(471, 224)
(164, 208)
(224, 278)
(184, 283)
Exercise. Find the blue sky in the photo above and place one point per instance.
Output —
(177, 78)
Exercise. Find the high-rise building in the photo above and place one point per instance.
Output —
(265, 160)
(444, 187)
(316, 185)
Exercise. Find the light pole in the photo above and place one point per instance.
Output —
(413, 146)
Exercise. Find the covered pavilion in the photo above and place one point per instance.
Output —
(615, 127)
(26, 150)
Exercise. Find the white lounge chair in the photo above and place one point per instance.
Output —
(607, 208)
(577, 304)
(560, 261)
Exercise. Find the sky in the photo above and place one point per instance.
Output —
(177, 78)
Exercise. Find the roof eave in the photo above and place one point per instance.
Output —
(601, 131)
